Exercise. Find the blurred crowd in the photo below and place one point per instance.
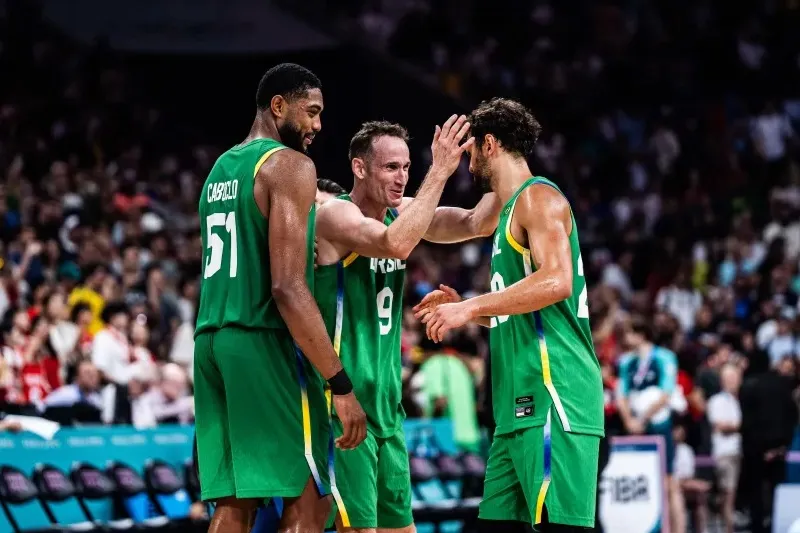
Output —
(672, 127)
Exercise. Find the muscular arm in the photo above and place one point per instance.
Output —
(454, 224)
(289, 197)
(544, 214)
(343, 223)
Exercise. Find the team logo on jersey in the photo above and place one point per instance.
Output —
(386, 265)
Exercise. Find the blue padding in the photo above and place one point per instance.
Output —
(139, 507)
(175, 505)
(267, 519)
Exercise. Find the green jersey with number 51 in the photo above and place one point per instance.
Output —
(361, 300)
(543, 363)
(236, 285)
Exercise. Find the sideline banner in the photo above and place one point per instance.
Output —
(632, 488)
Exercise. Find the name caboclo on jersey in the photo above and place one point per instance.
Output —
(386, 265)
(223, 190)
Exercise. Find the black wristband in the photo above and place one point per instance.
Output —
(340, 383)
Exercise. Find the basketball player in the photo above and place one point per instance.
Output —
(262, 416)
(546, 383)
(364, 240)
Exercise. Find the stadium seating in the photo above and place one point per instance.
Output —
(94, 486)
(57, 491)
(17, 490)
(133, 500)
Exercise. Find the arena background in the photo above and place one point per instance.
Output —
(657, 124)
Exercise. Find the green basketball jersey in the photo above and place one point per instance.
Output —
(236, 285)
(542, 361)
(361, 300)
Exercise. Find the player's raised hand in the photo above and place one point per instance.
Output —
(447, 148)
(447, 317)
(432, 300)
(354, 421)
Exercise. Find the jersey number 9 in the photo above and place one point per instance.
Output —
(384, 302)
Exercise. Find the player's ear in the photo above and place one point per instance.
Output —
(359, 167)
(489, 144)
(278, 105)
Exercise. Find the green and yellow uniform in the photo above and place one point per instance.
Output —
(261, 414)
(547, 393)
(361, 300)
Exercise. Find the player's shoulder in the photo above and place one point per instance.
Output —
(288, 168)
(338, 209)
(541, 199)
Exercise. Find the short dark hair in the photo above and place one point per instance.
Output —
(288, 80)
(642, 326)
(361, 143)
(511, 123)
(329, 186)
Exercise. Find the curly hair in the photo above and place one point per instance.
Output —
(510, 122)
(361, 143)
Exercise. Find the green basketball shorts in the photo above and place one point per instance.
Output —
(261, 416)
(539, 467)
(371, 484)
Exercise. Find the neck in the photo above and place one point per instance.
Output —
(369, 207)
(644, 349)
(263, 128)
(509, 175)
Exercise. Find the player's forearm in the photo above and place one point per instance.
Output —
(532, 293)
(404, 234)
(301, 314)
(454, 224)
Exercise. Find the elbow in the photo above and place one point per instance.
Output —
(402, 253)
(283, 292)
(562, 288)
(399, 250)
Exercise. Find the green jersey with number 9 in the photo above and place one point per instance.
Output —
(542, 361)
(361, 300)
(236, 286)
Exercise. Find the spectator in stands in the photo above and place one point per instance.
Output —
(81, 316)
(769, 420)
(90, 293)
(128, 403)
(647, 380)
(85, 389)
(64, 334)
(170, 401)
(112, 354)
(680, 300)
(725, 417)
(693, 491)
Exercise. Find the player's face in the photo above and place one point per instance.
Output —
(302, 121)
(479, 167)
(387, 170)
